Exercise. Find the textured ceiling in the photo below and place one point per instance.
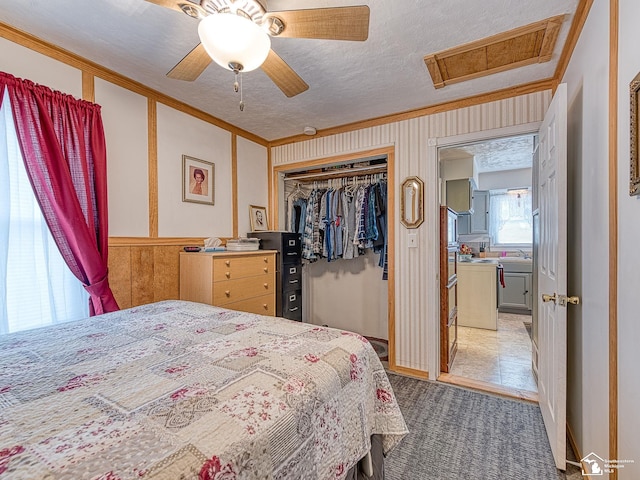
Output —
(509, 153)
(349, 81)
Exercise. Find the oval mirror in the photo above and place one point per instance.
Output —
(411, 210)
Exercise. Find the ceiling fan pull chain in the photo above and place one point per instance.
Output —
(241, 101)
(235, 84)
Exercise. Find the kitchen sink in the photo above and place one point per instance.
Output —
(516, 259)
(517, 264)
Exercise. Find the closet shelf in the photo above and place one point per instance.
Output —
(339, 173)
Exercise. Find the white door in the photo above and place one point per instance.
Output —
(552, 274)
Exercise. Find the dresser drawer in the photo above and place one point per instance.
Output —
(229, 268)
(242, 288)
(264, 305)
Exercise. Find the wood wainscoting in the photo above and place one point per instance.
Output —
(146, 270)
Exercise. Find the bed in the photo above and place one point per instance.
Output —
(180, 390)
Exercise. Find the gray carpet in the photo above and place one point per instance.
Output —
(461, 434)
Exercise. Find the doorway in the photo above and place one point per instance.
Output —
(488, 182)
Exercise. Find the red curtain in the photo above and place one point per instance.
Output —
(63, 146)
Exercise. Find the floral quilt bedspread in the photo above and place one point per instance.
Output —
(179, 390)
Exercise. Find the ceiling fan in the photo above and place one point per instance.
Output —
(236, 35)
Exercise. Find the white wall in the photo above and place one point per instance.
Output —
(415, 142)
(126, 126)
(24, 63)
(520, 177)
(629, 260)
(124, 115)
(588, 235)
(181, 134)
(348, 294)
(253, 188)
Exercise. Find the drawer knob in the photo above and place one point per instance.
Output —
(266, 260)
(266, 307)
(266, 285)
(227, 274)
(227, 262)
(265, 269)
(227, 293)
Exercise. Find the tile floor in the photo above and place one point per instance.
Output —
(502, 357)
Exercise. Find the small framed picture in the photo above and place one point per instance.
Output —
(258, 217)
(197, 180)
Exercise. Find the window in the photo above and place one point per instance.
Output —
(36, 286)
(510, 218)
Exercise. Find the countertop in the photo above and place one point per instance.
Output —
(496, 260)
(479, 261)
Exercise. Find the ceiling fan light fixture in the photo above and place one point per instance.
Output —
(233, 40)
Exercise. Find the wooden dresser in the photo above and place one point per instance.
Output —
(236, 280)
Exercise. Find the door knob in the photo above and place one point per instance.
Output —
(549, 298)
(563, 300)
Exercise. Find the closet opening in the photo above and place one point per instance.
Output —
(342, 208)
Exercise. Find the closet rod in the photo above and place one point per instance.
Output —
(340, 173)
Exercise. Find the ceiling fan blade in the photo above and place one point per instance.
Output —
(283, 75)
(172, 4)
(339, 23)
(192, 65)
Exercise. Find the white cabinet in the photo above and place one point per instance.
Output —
(459, 194)
(516, 296)
(464, 224)
(477, 296)
(480, 215)
(477, 219)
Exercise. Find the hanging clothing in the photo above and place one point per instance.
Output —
(298, 215)
(381, 217)
(349, 224)
(336, 212)
(296, 210)
(317, 235)
(307, 231)
(340, 222)
(325, 224)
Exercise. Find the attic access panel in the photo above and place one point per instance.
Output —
(522, 46)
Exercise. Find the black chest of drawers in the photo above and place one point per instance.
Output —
(288, 271)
